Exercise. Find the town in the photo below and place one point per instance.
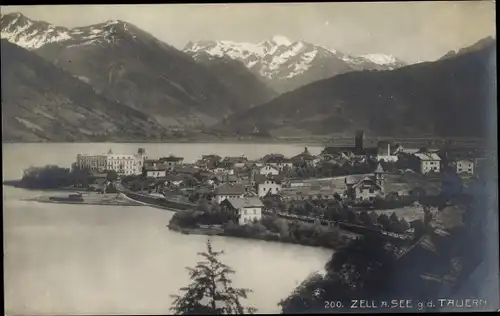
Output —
(384, 190)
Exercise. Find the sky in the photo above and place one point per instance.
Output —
(412, 31)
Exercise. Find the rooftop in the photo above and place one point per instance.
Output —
(303, 156)
(379, 169)
(226, 164)
(260, 178)
(428, 156)
(276, 158)
(363, 179)
(212, 156)
(171, 158)
(268, 166)
(155, 167)
(354, 178)
(246, 202)
(225, 177)
(235, 159)
(230, 189)
(186, 169)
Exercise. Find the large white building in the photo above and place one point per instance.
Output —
(123, 164)
(428, 162)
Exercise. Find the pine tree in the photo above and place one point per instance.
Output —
(211, 291)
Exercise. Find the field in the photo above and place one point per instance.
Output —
(409, 181)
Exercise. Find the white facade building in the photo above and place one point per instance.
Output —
(429, 162)
(124, 164)
(269, 170)
(268, 186)
(465, 166)
(249, 209)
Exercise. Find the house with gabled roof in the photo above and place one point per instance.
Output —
(248, 209)
(268, 185)
(155, 170)
(366, 188)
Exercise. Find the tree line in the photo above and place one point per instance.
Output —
(53, 177)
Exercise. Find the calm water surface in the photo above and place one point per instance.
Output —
(72, 259)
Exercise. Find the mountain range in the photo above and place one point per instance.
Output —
(450, 97)
(112, 81)
(286, 65)
(130, 66)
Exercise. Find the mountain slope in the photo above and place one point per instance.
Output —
(131, 66)
(481, 44)
(448, 97)
(238, 79)
(41, 102)
(287, 65)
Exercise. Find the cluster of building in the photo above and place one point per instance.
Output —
(240, 184)
(423, 160)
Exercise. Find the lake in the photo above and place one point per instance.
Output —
(81, 259)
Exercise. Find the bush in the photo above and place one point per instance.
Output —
(53, 177)
(186, 219)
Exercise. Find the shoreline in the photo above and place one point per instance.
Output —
(128, 201)
(15, 184)
(221, 232)
(320, 140)
(111, 199)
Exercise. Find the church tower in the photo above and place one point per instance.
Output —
(379, 176)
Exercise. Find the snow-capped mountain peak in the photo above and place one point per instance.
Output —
(381, 59)
(280, 57)
(30, 34)
(281, 40)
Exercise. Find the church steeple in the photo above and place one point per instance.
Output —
(379, 175)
